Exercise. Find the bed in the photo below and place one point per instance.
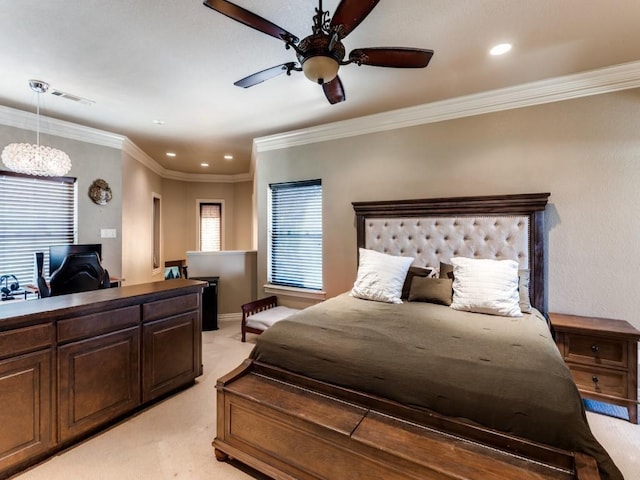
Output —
(353, 388)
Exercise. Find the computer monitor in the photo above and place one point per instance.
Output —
(57, 253)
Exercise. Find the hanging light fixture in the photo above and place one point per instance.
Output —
(320, 54)
(36, 159)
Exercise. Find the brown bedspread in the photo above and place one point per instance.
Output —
(502, 373)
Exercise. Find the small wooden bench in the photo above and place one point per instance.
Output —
(259, 315)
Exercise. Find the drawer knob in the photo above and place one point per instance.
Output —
(594, 348)
(594, 379)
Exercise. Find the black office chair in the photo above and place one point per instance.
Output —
(79, 272)
(43, 288)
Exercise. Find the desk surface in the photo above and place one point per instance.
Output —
(14, 313)
(17, 295)
(31, 288)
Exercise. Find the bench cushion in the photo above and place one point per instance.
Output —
(264, 319)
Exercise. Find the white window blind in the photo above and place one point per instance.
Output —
(210, 227)
(295, 236)
(35, 212)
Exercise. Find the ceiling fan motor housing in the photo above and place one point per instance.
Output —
(319, 61)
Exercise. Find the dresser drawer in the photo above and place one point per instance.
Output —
(600, 380)
(169, 307)
(97, 323)
(27, 339)
(595, 350)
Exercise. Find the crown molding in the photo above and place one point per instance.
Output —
(594, 82)
(208, 178)
(138, 154)
(12, 117)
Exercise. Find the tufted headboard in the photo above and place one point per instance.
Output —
(434, 230)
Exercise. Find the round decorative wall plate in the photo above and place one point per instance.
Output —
(100, 192)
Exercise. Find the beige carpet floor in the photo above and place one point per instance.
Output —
(172, 440)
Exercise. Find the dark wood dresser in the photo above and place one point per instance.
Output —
(602, 355)
(73, 364)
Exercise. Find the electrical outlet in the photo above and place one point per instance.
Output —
(108, 233)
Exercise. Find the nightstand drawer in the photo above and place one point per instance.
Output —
(595, 350)
(600, 380)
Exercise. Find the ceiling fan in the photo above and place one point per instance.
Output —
(322, 53)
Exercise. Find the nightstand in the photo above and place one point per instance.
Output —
(602, 355)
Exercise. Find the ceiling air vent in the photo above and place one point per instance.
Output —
(71, 97)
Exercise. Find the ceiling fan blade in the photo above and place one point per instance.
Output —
(334, 91)
(250, 19)
(392, 57)
(267, 74)
(350, 13)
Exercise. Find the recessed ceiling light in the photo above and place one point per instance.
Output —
(500, 49)
(159, 122)
(204, 164)
(171, 154)
(228, 157)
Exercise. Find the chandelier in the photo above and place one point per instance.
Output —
(36, 159)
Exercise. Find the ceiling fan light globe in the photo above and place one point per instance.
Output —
(320, 69)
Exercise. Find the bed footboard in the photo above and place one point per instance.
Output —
(291, 431)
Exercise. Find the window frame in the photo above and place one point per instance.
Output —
(199, 202)
(276, 287)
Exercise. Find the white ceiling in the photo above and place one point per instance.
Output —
(176, 61)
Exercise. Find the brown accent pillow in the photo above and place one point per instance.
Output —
(446, 270)
(414, 272)
(432, 290)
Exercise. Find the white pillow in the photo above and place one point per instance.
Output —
(380, 276)
(486, 286)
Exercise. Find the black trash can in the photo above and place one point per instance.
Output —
(209, 302)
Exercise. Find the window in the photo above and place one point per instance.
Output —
(210, 225)
(35, 212)
(295, 234)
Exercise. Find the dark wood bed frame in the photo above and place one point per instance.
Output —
(289, 426)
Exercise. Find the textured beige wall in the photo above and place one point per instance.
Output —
(243, 206)
(585, 152)
(178, 238)
(236, 270)
(93, 162)
(138, 185)
(237, 278)
(179, 214)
